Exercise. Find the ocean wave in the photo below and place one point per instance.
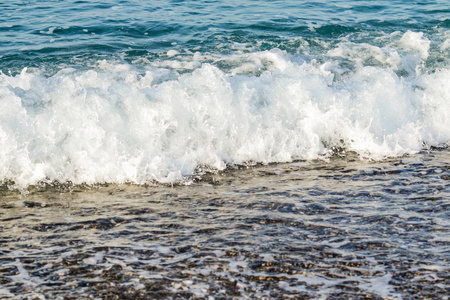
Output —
(161, 121)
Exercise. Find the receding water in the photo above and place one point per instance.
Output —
(308, 230)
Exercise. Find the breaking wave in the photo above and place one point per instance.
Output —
(162, 120)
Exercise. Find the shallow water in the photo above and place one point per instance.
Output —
(308, 229)
(126, 126)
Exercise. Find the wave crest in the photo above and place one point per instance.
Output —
(117, 123)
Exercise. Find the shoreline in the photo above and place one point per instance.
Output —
(340, 229)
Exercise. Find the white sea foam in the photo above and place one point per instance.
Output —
(118, 123)
(416, 42)
(172, 53)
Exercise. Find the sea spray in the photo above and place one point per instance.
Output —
(118, 122)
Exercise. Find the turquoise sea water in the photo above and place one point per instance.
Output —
(48, 33)
(224, 149)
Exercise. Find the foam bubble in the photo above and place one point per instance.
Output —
(172, 53)
(416, 42)
(445, 45)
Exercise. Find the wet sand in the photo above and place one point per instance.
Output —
(304, 230)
